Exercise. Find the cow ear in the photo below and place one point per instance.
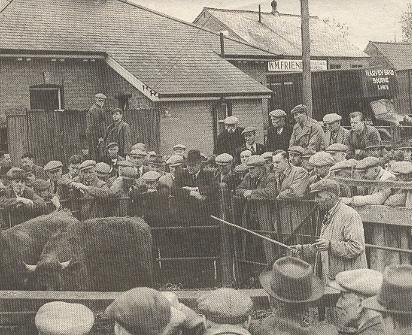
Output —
(65, 265)
(29, 267)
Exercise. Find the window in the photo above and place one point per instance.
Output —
(356, 66)
(47, 97)
(335, 66)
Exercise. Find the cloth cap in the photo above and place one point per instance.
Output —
(112, 144)
(225, 306)
(62, 318)
(321, 158)
(231, 120)
(301, 109)
(102, 168)
(365, 282)
(248, 130)
(325, 185)
(367, 163)
(179, 146)
(41, 185)
(375, 146)
(88, 164)
(332, 117)
(308, 153)
(156, 160)
(267, 155)
(403, 167)
(125, 163)
(296, 149)
(244, 152)
(343, 165)
(128, 172)
(140, 146)
(151, 153)
(175, 160)
(241, 168)
(223, 159)
(151, 176)
(100, 96)
(277, 113)
(16, 173)
(337, 147)
(255, 160)
(142, 311)
(53, 165)
(138, 152)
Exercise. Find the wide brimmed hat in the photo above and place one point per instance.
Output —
(395, 295)
(292, 281)
(193, 157)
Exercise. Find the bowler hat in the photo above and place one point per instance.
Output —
(194, 156)
(395, 295)
(292, 281)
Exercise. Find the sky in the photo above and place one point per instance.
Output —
(367, 20)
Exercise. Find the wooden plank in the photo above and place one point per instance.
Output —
(17, 136)
(404, 185)
(395, 216)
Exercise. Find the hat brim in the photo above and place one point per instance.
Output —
(373, 303)
(333, 284)
(318, 289)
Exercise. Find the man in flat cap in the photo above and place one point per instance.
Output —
(341, 243)
(350, 316)
(103, 173)
(59, 186)
(173, 164)
(376, 150)
(73, 167)
(62, 318)
(95, 124)
(27, 164)
(138, 158)
(344, 169)
(225, 176)
(403, 172)
(249, 134)
(279, 133)
(226, 311)
(295, 155)
(307, 132)
(338, 151)
(179, 149)
(335, 133)
(321, 162)
(119, 131)
(230, 138)
(361, 135)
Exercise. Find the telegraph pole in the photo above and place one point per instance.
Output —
(306, 75)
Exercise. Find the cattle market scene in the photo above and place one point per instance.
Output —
(205, 167)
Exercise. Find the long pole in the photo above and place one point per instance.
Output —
(306, 75)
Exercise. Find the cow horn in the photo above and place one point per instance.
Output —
(64, 265)
(29, 267)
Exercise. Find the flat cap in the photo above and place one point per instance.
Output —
(53, 165)
(325, 185)
(296, 149)
(175, 160)
(128, 172)
(225, 306)
(321, 158)
(231, 120)
(248, 130)
(365, 282)
(332, 117)
(41, 185)
(347, 164)
(88, 164)
(246, 152)
(112, 144)
(402, 167)
(223, 159)
(16, 173)
(367, 162)
(138, 153)
(277, 113)
(255, 160)
(156, 160)
(142, 311)
(267, 155)
(125, 163)
(179, 146)
(375, 146)
(301, 109)
(241, 168)
(308, 153)
(337, 147)
(100, 96)
(102, 168)
(151, 176)
(140, 146)
(62, 318)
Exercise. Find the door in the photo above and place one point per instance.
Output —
(45, 97)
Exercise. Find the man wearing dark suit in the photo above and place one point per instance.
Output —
(95, 120)
(231, 138)
(278, 136)
(119, 132)
(249, 133)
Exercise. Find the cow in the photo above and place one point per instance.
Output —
(24, 243)
(101, 254)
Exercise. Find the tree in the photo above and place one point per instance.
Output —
(341, 27)
(406, 23)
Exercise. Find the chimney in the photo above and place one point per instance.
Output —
(274, 5)
(260, 14)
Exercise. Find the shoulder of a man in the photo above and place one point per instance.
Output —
(298, 171)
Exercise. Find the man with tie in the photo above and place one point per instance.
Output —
(230, 138)
(59, 186)
(278, 136)
(249, 134)
(335, 133)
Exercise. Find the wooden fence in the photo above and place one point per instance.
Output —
(56, 135)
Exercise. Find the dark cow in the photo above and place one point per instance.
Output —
(102, 254)
(24, 243)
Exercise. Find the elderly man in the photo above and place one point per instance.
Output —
(226, 311)
(119, 131)
(179, 149)
(292, 181)
(321, 162)
(341, 243)
(230, 138)
(335, 133)
(95, 124)
(393, 300)
(59, 186)
(355, 286)
(244, 156)
(138, 158)
(307, 132)
(278, 135)
(250, 144)
(103, 173)
(377, 150)
(295, 155)
(361, 135)
(338, 151)
(225, 176)
(292, 287)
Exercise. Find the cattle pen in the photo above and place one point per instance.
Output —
(235, 259)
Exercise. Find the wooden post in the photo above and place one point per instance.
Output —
(306, 75)
(226, 254)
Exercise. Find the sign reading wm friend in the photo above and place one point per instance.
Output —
(295, 65)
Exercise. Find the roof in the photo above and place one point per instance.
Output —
(170, 56)
(281, 34)
(399, 55)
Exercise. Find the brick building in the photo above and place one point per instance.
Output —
(56, 54)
